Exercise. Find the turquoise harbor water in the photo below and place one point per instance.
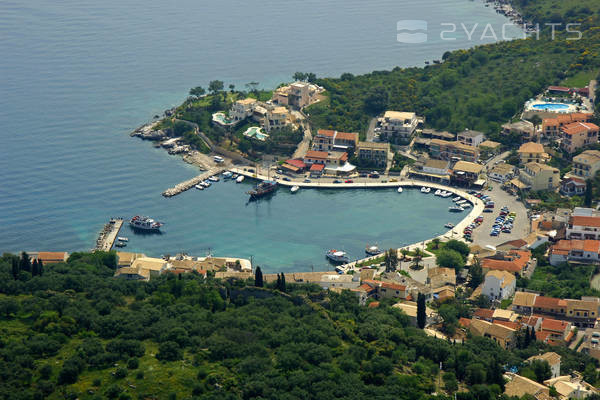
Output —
(77, 76)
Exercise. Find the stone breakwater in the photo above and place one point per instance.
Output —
(190, 183)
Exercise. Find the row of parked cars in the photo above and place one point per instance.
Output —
(504, 222)
(489, 203)
(468, 231)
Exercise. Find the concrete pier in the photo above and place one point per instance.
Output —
(190, 183)
(108, 235)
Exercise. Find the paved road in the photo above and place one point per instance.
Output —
(371, 130)
(481, 235)
(592, 87)
(304, 145)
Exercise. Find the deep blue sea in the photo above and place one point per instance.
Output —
(77, 76)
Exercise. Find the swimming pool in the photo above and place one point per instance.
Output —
(550, 106)
(222, 119)
(256, 132)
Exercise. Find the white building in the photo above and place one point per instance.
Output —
(242, 109)
(337, 281)
(502, 172)
(397, 125)
(583, 227)
(552, 359)
(499, 285)
(471, 138)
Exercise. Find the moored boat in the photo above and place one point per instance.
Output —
(400, 189)
(120, 244)
(145, 223)
(425, 189)
(456, 209)
(372, 250)
(240, 179)
(199, 187)
(337, 256)
(227, 174)
(295, 188)
(449, 225)
(214, 178)
(262, 189)
(438, 192)
(205, 184)
(122, 239)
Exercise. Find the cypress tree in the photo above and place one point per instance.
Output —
(258, 278)
(25, 262)
(34, 267)
(533, 337)
(421, 311)
(527, 338)
(278, 285)
(283, 288)
(15, 269)
(40, 268)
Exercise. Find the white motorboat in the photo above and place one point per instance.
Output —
(425, 189)
(372, 250)
(438, 192)
(145, 223)
(240, 179)
(456, 209)
(227, 174)
(295, 188)
(205, 183)
(456, 199)
(337, 256)
(199, 186)
(449, 225)
(214, 178)
(400, 189)
(123, 239)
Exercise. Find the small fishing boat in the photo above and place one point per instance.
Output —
(214, 178)
(199, 187)
(120, 244)
(400, 189)
(425, 189)
(205, 184)
(337, 256)
(295, 188)
(456, 199)
(123, 239)
(227, 174)
(449, 225)
(438, 192)
(240, 179)
(456, 209)
(234, 176)
(372, 250)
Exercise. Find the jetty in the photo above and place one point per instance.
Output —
(190, 183)
(108, 235)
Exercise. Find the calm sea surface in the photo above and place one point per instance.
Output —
(77, 76)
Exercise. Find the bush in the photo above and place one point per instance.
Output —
(133, 363)
(120, 373)
(169, 351)
(113, 391)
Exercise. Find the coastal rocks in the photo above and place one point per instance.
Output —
(148, 132)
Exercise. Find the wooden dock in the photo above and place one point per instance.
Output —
(190, 183)
(108, 235)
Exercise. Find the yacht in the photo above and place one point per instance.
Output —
(294, 188)
(337, 256)
(400, 189)
(262, 189)
(145, 223)
(240, 179)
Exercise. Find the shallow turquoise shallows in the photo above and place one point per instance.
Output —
(77, 76)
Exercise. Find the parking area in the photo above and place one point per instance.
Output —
(520, 226)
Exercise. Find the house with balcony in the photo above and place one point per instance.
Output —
(431, 170)
(446, 150)
(514, 261)
(277, 118)
(536, 176)
(576, 250)
(375, 153)
(532, 152)
(502, 172)
(523, 302)
(586, 164)
(242, 109)
(551, 127)
(465, 173)
(583, 227)
(471, 138)
(297, 95)
(328, 140)
(578, 135)
(572, 186)
(397, 126)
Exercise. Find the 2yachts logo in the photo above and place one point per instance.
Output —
(411, 31)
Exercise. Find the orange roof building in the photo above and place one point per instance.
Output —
(577, 135)
(575, 250)
(516, 261)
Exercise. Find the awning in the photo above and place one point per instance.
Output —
(518, 184)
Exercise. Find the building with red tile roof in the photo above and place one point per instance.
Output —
(515, 261)
(387, 289)
(576, 250)
(551, 126)
(555, 330)
(484, 313)
(49, 257)
(550, 305)
(583, 227)
(327, 140)
(577, 135)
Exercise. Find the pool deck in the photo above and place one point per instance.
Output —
(454, 233)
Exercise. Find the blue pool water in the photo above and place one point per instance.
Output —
(551, 106)
(79, 75)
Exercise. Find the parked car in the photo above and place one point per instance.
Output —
(337, 181)
(287, 179)
(348, 181)
(488, 210)
(307, 181)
